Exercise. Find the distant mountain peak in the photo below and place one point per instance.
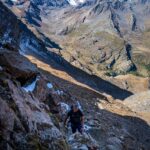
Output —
(51, 2)
(75, 2)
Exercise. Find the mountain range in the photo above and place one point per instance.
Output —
(101, 37)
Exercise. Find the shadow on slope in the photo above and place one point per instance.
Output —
(57, 62)
(133, 132)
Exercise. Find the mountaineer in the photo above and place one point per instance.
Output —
(76, 119)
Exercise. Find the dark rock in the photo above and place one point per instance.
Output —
(41, 90)
(18, 66)
(24, 124)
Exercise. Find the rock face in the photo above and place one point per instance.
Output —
(25, 122)
(18, 66)
(30, 126)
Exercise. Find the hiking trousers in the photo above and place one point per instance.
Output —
(76, 127)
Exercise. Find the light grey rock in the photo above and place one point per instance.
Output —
(83, 142)
(139, 102)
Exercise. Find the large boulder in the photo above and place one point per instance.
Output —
(41, 90)
(18, 66)
(45, 92)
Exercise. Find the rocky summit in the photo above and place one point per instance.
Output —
(92, 53)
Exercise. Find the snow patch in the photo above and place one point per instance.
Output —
(86, 127)
(14, 0)
(72, 2)
(28, 44)
(49, 85)
(64, 107)
(75, 2)
(79, 105)
(31, 87)
(100, 106)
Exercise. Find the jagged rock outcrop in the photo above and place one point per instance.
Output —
(30, 126)
(18, 66)
(25, 122)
